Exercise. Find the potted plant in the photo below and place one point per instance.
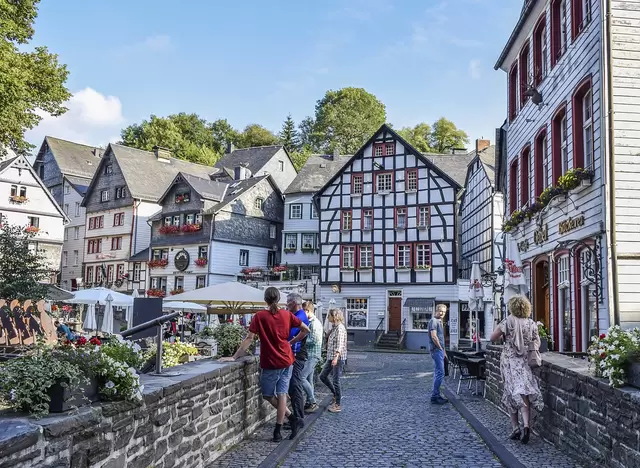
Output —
(545, 338)
(158, 263)
(155, 292)
(614, 356)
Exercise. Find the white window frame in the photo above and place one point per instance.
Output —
(356, 305)
(346, 220)
(311, 244)
(384, 182)
(176, 220)
(423, 256)
(67, 189)
(104, 196)
(64, 258)
(546, 162)
(314, 211)
(243, 259)
(563, 26)
(287, 238)
(201, 281)
(272, 231)
(365, 257)
(587, 129)
(137, 271)
(564, 144)
(367, 219)
(423, 216)
(544, 52)
(259, 203)
(77, 209)
(402, 214)
(412, 180)
(357, 188)
(348, 257)
(295, 211)
(66, 209)
(66, 233)
(403, 256)
(76, 232)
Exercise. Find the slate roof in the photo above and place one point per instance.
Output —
(318, 169)
(254, 159)
(6, 163)
(454, 165)
(488, 159)
(142, 256)
(236, 189)
(147, 177)
(73, 158)
(206, 188)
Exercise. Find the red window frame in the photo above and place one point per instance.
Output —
(382, 150)
(524, 72)
(99, 276)
(116, 243)
(539, 37)
(556, 31)
(578, 20)
(578, 125)
(406, 178)
(406, 217)
(391, 146)
(109, 273)
(92, 222)
(343, 214)
(120, 270)
(418, 216)
(513, 91)
(355, 258)
(525, 161)
(359, 258)
(353, 178)
(118, 219)
(366, 210)
(375, 180)
(513, 185)
(538, 165)
(415, 253)
(556, 144)
(410, 255)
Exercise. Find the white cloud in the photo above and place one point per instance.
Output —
(474, 69)
(92, 119)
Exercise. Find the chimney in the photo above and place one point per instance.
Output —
(459, 151)
(230, 147)
(97, 152)
(335, 155)
(482, 145)
(162, 154)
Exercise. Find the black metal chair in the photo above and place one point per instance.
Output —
(472, 369)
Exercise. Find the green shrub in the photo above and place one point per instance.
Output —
(228, 336)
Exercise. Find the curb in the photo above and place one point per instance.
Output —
(499, 450)
(278, 455)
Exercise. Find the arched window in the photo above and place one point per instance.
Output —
(583, 125)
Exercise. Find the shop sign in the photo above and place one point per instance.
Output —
(541, 235)
(453, 325)
(570, 224)
(523, 246)
(181, 260)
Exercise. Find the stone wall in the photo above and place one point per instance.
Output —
(186, 421)
(598, 424)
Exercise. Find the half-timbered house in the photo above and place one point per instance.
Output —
(388, 240)
(572, 191)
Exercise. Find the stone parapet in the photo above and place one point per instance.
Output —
(186, 421)
(583, 415)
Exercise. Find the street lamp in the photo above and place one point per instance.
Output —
(314, 281)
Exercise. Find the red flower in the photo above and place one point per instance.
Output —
(229, 320)
(603, 355)
(603, 336)
(95, 341)
(81, 341)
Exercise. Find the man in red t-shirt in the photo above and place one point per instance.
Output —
(276, 358)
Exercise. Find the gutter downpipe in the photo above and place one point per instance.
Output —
(607, 63)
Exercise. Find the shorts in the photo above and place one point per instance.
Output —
(275, 382)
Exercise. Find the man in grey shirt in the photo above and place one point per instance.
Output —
(436, 348)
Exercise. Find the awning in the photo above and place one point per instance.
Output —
(57, 294)
(424, 304)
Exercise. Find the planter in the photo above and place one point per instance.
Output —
(557, 201)
(633, 375)
(544, 345)
(63, 399)
(584, 184)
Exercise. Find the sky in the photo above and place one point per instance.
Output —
(256, 61)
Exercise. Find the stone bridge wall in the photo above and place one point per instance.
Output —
(186, 421)
(598, 424)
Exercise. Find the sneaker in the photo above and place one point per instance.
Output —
(439, 401)
(335, 408)
(307, 405)
(312, 407)
(333, 401)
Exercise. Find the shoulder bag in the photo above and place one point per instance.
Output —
(534, 357)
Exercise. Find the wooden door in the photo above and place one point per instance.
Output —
(395, 313)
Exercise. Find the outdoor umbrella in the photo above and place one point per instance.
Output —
(476, 299)
(514, 280)
(90, 320)
(183, 305)
(107, 321)
(99, 295)
(233, 296)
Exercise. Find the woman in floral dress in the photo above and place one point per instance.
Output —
(521, 390)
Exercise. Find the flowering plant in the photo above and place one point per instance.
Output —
(32, 229)
(543, 333)
(173, 292)
(174, 353)
(280, 268)
(610, 353)
(155, 293)
(201, 261)
(251, 270)
(19, 199)
(67, 308)
(160, 263)
(191, 227)
(169, 229)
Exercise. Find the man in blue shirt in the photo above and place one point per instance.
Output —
(436, 348)
(63, 329)
(296, 390)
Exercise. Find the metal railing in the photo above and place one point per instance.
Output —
(403, 334)
(157, 322)
(379, 330)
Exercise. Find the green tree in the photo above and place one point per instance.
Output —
(21, 267)
(188, 137)
(289, 135)
(223, 133)
(419, 136)
(29, 81)
(446, 136)
(346, 119)
(256, 135)
(299, 158)
(305, 134)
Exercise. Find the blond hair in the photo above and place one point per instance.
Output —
(307, 306)
(519, 306)
(336, 315)
(442, 307)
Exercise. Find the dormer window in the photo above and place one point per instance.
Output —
(259, 203)
(121, 192)
(241, 173)
(108, 169)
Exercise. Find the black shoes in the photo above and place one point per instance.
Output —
(515, 435)
(439, 401)
(527, 434)
(296, 425)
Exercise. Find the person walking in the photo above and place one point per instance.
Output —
(299, 348)
(438, 354)
(314, 351)
(521, 390)
(273, 326)
(336, 357)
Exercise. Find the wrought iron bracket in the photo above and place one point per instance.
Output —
(591, 267)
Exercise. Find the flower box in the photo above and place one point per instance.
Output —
(32, 229)
(173, 292)
(155, 293)
(169, 229)
(279, 269)
(191, 227)
(161, 263)
(63, 398)
(201, 261)
(557, 200)
(290, 250)
(423, 268)
(18, 199)
(584, 184)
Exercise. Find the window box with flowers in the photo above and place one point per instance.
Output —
(169, 229)
(422, 267)
(290, 250)
(32, 229)
(201, 261)
(155, 293)
(191, 227)
(279, 268)
(173, 292)
(576, 180)
(159, 263)
(252, 271)
(19, 199)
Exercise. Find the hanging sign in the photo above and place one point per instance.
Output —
(541, 235)
(181, 260)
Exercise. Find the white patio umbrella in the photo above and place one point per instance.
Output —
(135, 294)
(514, 280)
(183, 305)
(90, 320)
(476, 299)
(107, 321)
(231, 295)
(99, 295)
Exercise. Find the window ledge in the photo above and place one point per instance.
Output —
(356, 195)
(428, 268)
(411, 191)
(423, 227)
(401, 269)
(347, 270)
(290, 250)
(383, 192)
(365, 269)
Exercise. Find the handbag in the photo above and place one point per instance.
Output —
(534, 358)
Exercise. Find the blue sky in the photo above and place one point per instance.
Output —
(253, 61)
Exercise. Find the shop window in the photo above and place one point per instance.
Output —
(588, 303)
(419, 311)
(564, 302)
(357, 311)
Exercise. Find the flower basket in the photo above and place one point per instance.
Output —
(173, 292)
(169, 229)
(18, 199)
(191, 227)
(161, 263)
(201, 262)
(253, 271)
(32, 229)
(63, 398)
(280, 268)
(155, 293)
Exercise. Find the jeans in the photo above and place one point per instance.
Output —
(307, 379)
(274, 382)
(334, 383)
(296, 392)
(438, 373)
